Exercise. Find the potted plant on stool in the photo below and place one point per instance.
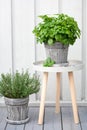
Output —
(16, 90)
(57, 32)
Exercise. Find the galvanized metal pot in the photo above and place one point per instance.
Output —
(58, 52)
(17, 110)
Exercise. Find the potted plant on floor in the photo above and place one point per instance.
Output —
(57, 32)
(16, 90)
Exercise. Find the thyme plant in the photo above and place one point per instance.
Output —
(19, 85)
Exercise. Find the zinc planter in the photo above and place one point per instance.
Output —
(17, 110)
(57, 52)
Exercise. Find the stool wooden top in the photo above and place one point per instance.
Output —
(72, 65)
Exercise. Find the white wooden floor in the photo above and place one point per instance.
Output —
(52, 121)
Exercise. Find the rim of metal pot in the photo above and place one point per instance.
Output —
(16, 101)
(17, 122)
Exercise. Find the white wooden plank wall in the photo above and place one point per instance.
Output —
(73, 8)
(18, 47)
(85, 47)
(23, 40)
(46, 7)
(5, 36)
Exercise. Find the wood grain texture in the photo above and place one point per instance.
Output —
(85, 45)
(45, 7)
(23, 39)
(11, 127)
(20, 127)
(74, 9)
(58, 78)
(52, 121)
(33, 122)
(17, 110)
(73, 97)
(43, 95)
(15, 127)
(5, 36)
(24, 14)
(3, 123)
(67, 119)
(83, 117)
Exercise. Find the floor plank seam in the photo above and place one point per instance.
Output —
(43, 119)
(65, 120)
(24, 126)
(79, 120)
(6, 126)
(61, 118)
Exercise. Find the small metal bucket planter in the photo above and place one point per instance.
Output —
(17, 110)
(58, 52)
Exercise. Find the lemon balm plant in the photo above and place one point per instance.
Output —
(57, 28)
(16, 90)
(57, 31)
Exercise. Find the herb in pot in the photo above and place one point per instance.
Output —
(57, 28)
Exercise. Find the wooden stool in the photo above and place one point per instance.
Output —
(70, 67)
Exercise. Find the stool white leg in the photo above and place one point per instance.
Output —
(58, 76)
(44, 85)
(73, 97)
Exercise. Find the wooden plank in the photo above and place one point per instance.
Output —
(5, 36)
(33, 122)
(23, 24)
(3, 123)
(23, 39)
(15, 127)
(20, 127)
(73, 97)
(68, 120)
(43, 94)
(66, 87)
(45, 7)
(83, 117)
(1, 113)
(11, 127)
(73, 8)
(52, 121)
(84, 49)
(85, 45)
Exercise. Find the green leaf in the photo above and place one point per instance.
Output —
(48, 62)
(50, 42)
